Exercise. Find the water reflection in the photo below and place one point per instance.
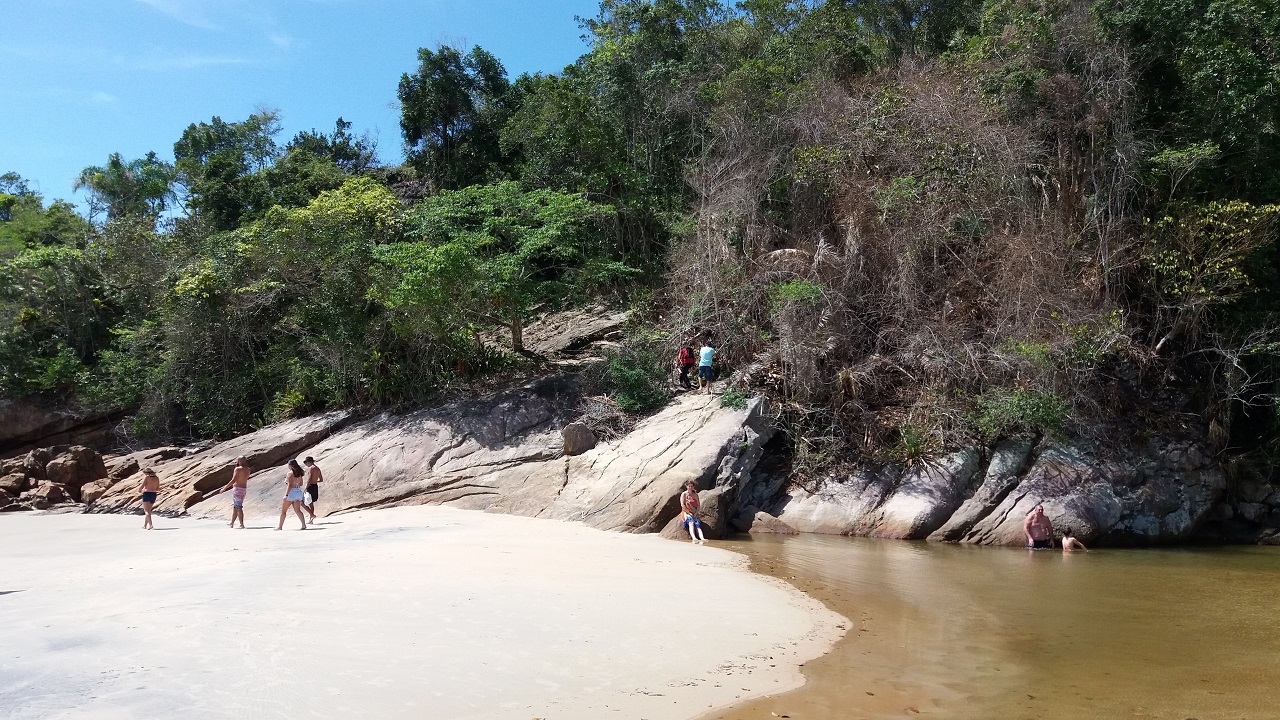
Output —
(965, 632)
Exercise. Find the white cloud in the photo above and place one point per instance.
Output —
(187, 12)
(103, 98)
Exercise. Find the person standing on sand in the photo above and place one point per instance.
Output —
(1070, 543)
(293, 495)
(689, 510)
(706, 357)
(150, 489)
(1038, 529)
(314, 478)
(239, 487)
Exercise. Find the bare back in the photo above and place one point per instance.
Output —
(314, 476)
(150, 483)
(295, 481)
(240, 477)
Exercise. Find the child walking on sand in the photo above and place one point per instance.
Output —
(689, 509)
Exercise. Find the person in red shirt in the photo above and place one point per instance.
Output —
(686, 359)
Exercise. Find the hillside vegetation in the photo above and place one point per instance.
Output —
(914, 225)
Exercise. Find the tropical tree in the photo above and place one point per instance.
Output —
(451, 112)
(494, 252)
(143, 186)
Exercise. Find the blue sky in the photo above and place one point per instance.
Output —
(84, 78)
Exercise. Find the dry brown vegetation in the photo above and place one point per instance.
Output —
(901, 263)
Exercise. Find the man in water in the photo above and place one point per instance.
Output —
(239, 487)
(314, 478)
(1070, 543)
(1038, 529)
(706, 357)
(689, 510)
(150, 489)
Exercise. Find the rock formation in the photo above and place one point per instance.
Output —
(504, 454)
(1160, 496)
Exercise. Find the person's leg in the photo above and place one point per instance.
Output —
(146, 522)
(689, 525)
(284, 511)
(684, 376)
(701, 538)
(297, 508)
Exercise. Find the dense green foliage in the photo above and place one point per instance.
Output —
(916, 225)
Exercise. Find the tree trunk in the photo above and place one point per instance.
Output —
(517, 335)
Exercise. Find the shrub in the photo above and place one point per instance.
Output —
(636, 377)
(733, 398)
(1021, 410)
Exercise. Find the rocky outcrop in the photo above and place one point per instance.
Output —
(1159, 496)
(504, 454)
(25, 424)
(46, 477)
(572, 330)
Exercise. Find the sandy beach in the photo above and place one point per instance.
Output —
(418, 612)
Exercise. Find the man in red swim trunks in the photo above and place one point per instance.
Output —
(239, 487)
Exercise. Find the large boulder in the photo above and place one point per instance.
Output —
(14, 483)
(1008, 459)
(924, 498)
(766, 524)
(836, 506)
(578, 438)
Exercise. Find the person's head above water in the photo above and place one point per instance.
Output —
(1037, 510)
(1067, 532)
(295, 468)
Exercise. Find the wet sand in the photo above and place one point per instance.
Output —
(962, 632)
(422, 612)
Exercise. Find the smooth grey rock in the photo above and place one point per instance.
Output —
(766, 524)
(924, 498)
(501, 454)
(836, 507)
(1007, 461)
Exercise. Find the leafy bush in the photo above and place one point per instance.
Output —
(636, 377)
(1021, 410)
(804, 292)
(733, 398)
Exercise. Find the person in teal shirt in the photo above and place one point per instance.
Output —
(706, 356)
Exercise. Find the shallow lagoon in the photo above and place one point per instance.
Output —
(975, 632)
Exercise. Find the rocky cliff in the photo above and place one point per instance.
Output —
(507, 453)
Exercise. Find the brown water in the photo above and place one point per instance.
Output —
(963, 632)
